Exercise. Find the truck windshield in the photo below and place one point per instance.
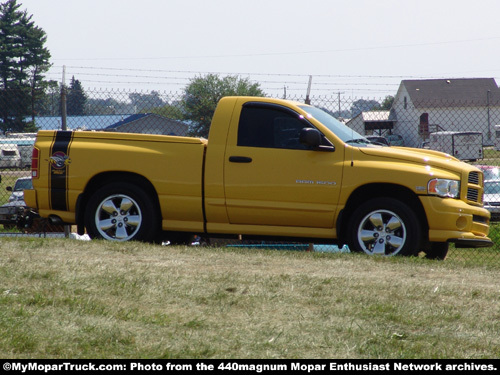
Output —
(342, 131)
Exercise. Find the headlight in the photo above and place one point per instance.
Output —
(444, 188)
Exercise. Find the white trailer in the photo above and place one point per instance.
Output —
(462, 145)
(9, 156)
(497, 137)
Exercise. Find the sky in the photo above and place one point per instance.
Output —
(358, 48)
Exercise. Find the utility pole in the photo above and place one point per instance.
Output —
(308, 99)
(63, 100)
(340, 109)
(488, 111)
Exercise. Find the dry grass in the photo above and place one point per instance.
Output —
(72, 299)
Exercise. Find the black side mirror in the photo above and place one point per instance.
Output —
(310, 137)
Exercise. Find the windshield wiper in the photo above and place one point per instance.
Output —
(358, 140)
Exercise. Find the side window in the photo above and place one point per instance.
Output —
(264, 126)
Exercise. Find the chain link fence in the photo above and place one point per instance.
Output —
(466, 128)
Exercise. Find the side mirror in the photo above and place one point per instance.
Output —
(310, 137)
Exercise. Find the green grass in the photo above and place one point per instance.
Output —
(491, 155)
(72, 299)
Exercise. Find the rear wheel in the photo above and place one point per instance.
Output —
(384, 226)
(122, 212)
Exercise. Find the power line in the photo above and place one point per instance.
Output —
(285, 53)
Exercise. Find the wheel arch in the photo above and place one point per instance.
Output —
(380, 190)
(102, 179)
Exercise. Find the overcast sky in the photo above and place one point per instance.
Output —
(357, 47)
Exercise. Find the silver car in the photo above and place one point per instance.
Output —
(492, 198)
(17, 192)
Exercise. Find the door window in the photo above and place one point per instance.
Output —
(270, 127)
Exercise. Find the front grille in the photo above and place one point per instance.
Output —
(472, 195)
(475, 188)
(474, 178)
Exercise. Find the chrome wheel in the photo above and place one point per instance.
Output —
(382, 232)
(118, 217)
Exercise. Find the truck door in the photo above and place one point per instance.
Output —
(271, 178)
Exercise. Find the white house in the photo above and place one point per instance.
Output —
(373, 122)
(467, 104)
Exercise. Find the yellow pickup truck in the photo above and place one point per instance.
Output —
(270, 169)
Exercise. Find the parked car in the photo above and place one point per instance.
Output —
(17, 191)
(395, 140)
(12, 213)
(492, 198)
(377, 139)
(491, 172)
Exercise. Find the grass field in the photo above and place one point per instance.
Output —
(73, 299)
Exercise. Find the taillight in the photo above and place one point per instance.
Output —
(35, 158)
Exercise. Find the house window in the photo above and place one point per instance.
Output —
(405, 103)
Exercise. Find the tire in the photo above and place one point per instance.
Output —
(122, 212)
(384, 226)
(437, 251)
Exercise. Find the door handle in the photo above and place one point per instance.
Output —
(240, 159)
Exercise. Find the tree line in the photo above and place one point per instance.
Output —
(25, 93)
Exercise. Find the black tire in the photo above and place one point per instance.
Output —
(437, 251)
(122, 212)
(384, 226)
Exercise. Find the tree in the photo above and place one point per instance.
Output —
(387, 103)
(77, 99)
(203, 93)
(23, 62)
(146, 102)
(363, 105)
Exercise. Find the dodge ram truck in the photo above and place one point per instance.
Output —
(270, 169)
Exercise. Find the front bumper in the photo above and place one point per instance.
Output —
(453, 220)
(10, 214)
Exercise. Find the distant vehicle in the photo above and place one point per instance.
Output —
(23, 183)
(9, 156)
(492, 198)
(24, 145)
(462, 145)
(12, 213)
(497, 137)
(491, 172)
(395, 140)
(378, 139)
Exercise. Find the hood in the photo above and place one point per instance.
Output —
(432, 158)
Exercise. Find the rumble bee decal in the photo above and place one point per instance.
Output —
(58, 161)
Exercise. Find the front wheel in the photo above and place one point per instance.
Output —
(384, 226)
(121, 212)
